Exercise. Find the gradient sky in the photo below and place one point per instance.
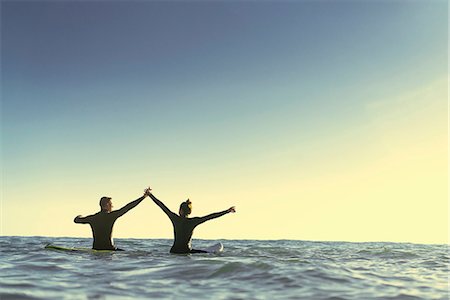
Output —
(318, 120)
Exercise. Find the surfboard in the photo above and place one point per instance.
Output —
(216, 248)
(71, 249)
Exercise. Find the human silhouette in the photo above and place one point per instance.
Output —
(102, 223)
(183, 226)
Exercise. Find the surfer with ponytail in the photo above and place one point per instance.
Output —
(183, 226)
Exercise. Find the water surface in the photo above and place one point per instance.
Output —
(247, 269)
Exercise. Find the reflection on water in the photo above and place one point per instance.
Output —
(246, 270)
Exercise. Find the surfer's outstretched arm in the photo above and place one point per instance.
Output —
(168, 212)
(126, 208)
(215, 215)
(82, 220)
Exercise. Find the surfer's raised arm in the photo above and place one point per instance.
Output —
(132, 204)
(216, 215)
(168, 212)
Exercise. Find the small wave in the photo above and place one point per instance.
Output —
(18, 285)
(242, 268)
(386, 252)
(16, 296)
(403, 297)
(42, 268)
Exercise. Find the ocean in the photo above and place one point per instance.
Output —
(246, 269)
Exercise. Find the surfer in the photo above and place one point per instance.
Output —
(102, 222)
(183, 227)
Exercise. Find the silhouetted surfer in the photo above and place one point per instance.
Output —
(102, 222)
(183, 227)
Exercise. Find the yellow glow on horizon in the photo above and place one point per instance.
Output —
(393, 188)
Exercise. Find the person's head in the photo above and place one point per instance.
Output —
(106, 204)
(185, 208)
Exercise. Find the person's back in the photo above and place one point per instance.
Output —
(102, 226)
(183, 228)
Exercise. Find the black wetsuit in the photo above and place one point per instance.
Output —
(183, 228)
(102, 225)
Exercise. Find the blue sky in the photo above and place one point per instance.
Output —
(97, 93)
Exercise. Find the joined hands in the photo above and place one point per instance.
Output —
(147, 191)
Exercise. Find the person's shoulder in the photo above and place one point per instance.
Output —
(174, 217)
(100, 214)
(112, 213)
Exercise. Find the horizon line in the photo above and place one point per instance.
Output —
(240, 239)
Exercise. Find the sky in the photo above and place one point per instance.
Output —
(318, 120)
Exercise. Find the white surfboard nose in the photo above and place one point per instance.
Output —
(216, 248)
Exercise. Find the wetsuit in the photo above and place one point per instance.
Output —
(183, 228)
(102, 225)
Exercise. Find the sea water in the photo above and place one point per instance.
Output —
(247, 269)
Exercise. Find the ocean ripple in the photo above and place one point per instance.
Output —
(245, 270)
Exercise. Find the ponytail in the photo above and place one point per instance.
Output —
(186, 208)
